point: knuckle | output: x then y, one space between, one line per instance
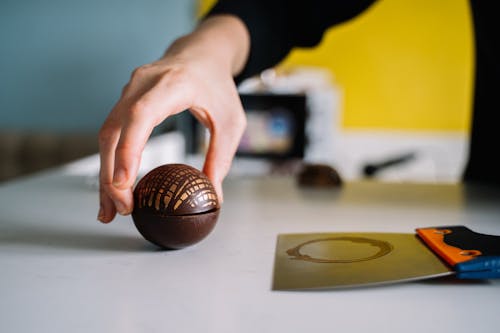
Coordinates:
171 77
124 149
128 150
125 89
105 135
137 108
140 72
104 187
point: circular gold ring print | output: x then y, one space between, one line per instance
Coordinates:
383 249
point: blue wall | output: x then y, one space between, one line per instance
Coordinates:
63 63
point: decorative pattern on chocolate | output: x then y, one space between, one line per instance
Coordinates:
176 189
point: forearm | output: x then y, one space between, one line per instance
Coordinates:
277 26
222 40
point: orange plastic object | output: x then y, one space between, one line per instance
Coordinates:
434 238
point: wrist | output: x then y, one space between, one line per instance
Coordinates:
221 40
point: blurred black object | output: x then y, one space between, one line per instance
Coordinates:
318 176
371 169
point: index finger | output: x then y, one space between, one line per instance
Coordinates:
147 112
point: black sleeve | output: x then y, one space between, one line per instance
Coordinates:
276 26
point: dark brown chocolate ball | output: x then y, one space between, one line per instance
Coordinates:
175 205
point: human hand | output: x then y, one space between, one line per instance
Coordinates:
196 74
155 92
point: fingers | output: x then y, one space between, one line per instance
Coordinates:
108 138
107 210
120 145
224 140
122 139
112 199
133 138
153 94
138 124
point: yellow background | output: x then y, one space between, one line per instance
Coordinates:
401 64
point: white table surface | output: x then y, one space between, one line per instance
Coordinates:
62 271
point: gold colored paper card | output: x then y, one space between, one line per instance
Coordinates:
346 260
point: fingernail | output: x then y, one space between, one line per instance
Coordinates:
101 215
119 177
120 207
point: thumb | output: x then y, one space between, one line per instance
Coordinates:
221 150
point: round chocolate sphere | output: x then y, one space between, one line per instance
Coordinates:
175 205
